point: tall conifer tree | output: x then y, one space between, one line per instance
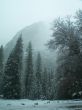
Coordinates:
29 72
12 85
39 76
1 66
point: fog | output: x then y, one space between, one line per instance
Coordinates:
17 14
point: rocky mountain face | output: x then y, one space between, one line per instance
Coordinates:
39 34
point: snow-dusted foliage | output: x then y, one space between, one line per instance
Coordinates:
67 39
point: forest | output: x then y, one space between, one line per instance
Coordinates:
24 75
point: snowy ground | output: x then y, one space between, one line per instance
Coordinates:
40 105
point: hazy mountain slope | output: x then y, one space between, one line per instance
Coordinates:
38 33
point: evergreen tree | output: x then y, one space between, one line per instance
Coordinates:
44 83
33 91
49 91
12 85
1 66
39 76
29 72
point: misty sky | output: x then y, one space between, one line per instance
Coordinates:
17 14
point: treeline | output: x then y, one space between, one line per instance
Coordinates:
67 39
32 81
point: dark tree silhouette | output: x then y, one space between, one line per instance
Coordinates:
12 85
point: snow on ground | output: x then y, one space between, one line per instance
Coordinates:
40 105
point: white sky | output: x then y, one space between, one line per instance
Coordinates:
16 14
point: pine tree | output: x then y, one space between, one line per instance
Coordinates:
39 76
33 91
1 67
44 82
29 72
50 87
12 85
